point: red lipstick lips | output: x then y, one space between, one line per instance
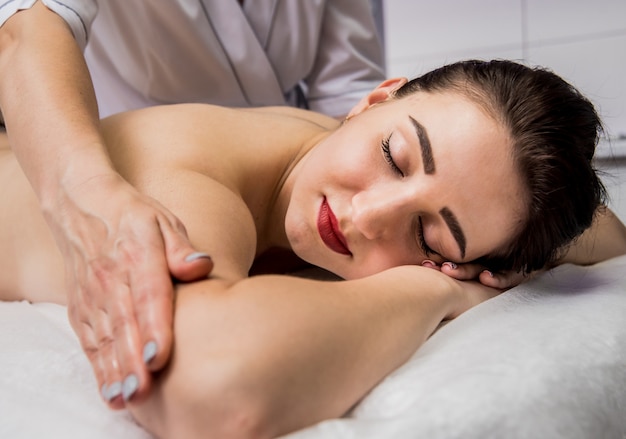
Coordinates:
329 230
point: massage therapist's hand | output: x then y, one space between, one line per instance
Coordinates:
120 249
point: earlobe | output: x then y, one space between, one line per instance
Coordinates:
380 94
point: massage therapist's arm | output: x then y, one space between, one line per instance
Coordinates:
271 354
111 237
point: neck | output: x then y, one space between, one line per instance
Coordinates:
274 235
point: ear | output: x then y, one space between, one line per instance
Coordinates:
380 94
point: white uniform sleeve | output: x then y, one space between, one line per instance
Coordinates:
350 59
78 14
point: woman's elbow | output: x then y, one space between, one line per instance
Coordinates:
209 388
192 401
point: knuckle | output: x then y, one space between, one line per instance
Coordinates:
102 269
104 341
121 321
92 352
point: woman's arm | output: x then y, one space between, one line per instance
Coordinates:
111 237
271 354
605 239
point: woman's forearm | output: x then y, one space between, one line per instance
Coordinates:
272 354
605 239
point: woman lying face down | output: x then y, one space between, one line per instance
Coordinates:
478 162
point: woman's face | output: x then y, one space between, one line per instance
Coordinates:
429 176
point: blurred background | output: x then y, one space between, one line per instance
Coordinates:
583 41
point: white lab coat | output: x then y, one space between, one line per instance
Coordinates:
324 54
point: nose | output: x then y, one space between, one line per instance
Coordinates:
383 212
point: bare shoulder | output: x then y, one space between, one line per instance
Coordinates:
229 145
210 164
185 118
304 116
185 131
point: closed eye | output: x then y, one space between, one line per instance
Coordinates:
388 157
422 241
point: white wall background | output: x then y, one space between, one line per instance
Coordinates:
584 41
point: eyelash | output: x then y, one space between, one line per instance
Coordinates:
420 227
422 242
388 158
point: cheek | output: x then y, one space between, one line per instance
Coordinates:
300 221
355 156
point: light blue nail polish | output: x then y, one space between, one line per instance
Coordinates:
149 351
195 256
103 391
113 391
131 384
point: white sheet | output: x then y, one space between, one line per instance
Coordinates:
544 360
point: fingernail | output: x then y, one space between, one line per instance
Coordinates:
196 255
428 263
112 391
131 384
149 351
488 272
452 265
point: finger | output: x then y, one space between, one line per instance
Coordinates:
184 262
500 280
430 264
153 296
127 341
78 318
461 271
106 359
153 311
116 334
96 342
88 343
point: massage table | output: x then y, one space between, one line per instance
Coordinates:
546 359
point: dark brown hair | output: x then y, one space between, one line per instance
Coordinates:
554 130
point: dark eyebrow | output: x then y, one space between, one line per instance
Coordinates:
427 152
455 228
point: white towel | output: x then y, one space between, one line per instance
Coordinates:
544 360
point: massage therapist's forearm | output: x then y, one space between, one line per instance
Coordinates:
48 102
273 354
120 248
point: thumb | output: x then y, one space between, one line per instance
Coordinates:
185 263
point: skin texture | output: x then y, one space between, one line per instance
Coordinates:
379 210
232 176
120 246
113 260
